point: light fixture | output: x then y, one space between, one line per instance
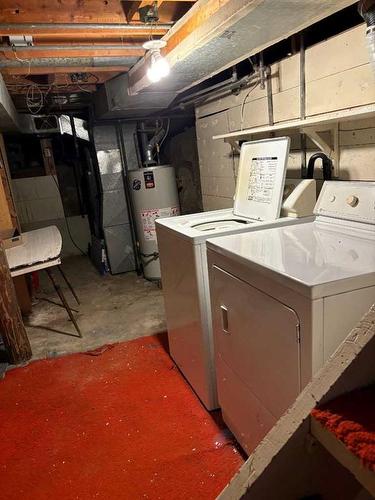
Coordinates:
159 67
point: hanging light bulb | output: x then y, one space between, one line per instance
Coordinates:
159 67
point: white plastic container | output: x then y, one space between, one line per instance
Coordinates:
154 195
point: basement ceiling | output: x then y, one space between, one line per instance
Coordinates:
57 52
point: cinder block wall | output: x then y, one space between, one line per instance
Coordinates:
39 205
338 76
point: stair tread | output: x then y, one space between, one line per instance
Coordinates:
346 428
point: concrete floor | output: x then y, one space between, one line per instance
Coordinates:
113 308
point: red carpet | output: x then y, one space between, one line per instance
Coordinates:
120 424
351 418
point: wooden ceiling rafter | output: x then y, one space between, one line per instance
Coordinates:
26 54
62 69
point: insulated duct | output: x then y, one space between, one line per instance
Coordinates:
9 118
211 37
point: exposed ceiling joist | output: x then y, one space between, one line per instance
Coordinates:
46 70
51 51
58 11
81 30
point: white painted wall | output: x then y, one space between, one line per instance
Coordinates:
39 204
338 76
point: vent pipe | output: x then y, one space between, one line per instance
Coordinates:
367 10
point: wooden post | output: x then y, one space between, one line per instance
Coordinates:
12 328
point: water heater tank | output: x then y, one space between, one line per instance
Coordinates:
154 195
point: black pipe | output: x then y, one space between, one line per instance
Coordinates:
212 91
269 96
76 166
128 199
302 78
327 166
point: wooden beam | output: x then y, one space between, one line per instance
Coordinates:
48 70
66 11
81 32
12 328
70 52
58 89
95 78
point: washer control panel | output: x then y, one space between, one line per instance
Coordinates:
354 201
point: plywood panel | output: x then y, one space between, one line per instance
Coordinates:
358 163
231 101
254 114
337 54
357 137
357 124
354 87
216 203
286 105
218 186
286 72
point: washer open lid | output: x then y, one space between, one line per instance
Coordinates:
261 178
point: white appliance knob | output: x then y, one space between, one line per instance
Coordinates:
352 200
332 198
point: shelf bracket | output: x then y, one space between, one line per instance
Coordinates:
235 144
327 139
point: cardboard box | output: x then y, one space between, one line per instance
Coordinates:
10 237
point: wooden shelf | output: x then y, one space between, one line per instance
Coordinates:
341 453
317 122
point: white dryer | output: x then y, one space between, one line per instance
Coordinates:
283 299
182 248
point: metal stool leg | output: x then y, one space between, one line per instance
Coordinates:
69 284
63 300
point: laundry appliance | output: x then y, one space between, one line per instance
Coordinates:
283 299
182 247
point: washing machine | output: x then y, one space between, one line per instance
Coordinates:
182 249
283 299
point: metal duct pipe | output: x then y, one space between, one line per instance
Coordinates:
217 86
29 28
36 48
68 61
228 86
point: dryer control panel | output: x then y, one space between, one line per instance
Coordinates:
346 200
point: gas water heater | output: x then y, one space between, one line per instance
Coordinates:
154 195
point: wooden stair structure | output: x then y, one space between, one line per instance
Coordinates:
300 458
338 444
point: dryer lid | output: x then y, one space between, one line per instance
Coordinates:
261 177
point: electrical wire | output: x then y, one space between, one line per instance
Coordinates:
66 220
34 104
234 165
22 60
166 133
244 102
